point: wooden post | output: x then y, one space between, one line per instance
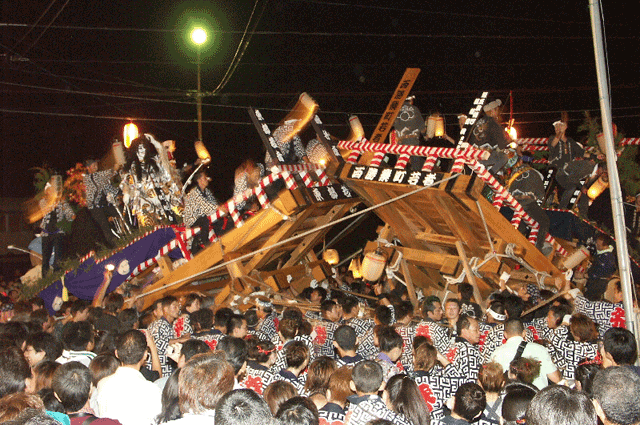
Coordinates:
469 273
411 290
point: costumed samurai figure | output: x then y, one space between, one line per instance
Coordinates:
527 187
149 191
198 206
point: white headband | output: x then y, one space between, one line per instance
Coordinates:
501 317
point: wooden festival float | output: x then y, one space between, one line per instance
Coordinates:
440 228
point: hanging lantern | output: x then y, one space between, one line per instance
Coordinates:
357 131
354 268
435 126
202 151
373 265
130 133
598 187
513 133
331 256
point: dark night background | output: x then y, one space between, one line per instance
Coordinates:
72 72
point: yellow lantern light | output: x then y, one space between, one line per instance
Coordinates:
130 133
354 268
202 151
435 126
513 133
598 187
331 256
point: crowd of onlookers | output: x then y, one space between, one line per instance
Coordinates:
352 353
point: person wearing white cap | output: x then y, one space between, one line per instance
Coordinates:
408 125
488 134
563 154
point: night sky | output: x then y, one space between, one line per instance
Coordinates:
72 73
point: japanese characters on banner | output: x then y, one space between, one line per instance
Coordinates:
391 175
329 193
474 113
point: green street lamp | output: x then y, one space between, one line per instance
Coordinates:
199 37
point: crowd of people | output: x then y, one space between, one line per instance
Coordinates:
357 353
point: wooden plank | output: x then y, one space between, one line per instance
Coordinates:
411 290
399 95
457 223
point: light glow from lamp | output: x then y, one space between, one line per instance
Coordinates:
130 133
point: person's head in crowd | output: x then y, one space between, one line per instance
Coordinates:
469 402
14 371
497 312
350 307
37 303
263 352
452 310
390 342
556 315
221 317
41 346
42 319
339 388
170 399
583 328
344 340
131 348
616 396
524 370
366 377
135 301
202 320
513 328
190 348
560 405
491 377
203 381
236 352
22 310
382 315
251 316
264 307
237 326
277 393
402 395
425 356
515 401
106 343
432 308
192 302
618 348
78 336
128 319
288 329
603 241
113 303
514 306
330 310
317 295
379 421
72 386
404 312
242 407
42 375
156 308
103 365
293 313
296 355
170 308
468 328
466 292
585 372
318 374
13 406
297 411
16 332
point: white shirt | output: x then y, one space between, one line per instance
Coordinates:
128 397
505 354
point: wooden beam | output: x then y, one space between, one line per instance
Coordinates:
411 290
457 223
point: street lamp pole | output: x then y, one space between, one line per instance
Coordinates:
199 37
199 97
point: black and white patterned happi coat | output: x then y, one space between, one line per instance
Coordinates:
436 333
369 407
257 377
438 385
570 352
466 357
606 315
198 203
